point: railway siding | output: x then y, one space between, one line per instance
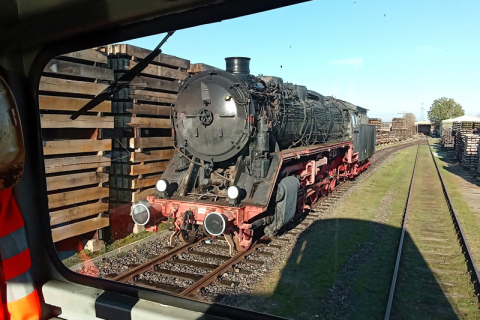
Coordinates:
433 279
337 267
464 192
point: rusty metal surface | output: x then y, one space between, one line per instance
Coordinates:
213 276
124 277
12 151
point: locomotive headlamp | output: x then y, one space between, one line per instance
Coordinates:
162 185
233 192
228 98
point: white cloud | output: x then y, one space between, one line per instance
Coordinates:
356 63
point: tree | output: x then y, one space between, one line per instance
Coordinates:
410 119
444 108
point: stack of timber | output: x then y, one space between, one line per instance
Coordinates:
470 151
199 67
399 123
399 128
459 146
142 143
448 140
75 153
386 125
377 122
469 125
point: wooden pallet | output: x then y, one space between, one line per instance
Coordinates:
76 156
199 67
399 123
377 122
142 146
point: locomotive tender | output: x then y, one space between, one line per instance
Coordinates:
251 152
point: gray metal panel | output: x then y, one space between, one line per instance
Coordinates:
364 141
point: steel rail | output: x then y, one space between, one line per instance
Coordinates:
227 265
400 245
472 266
213 275
148 265
391 150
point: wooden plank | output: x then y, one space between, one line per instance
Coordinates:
161 96
138 122
79 228
61 216
152 142
137 196
154 83
147 99
150 109
76 146
78 196
88 55
198 67
137 169
142 53
145 182
152 155
75 163
70 104
64 121
77 69
70 86
75 180
158 71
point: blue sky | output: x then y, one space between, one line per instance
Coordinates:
387 56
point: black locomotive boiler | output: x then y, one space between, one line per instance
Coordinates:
251 152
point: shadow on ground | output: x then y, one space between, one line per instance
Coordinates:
342 269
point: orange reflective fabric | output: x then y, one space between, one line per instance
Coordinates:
27 307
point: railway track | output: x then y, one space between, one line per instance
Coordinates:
190 268
435 275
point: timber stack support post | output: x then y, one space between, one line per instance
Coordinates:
76 154
142 144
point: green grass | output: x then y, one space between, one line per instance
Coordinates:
373 279
468 218
299 290
422 292
131 238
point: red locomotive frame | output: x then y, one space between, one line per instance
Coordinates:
317 174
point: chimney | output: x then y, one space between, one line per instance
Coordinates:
238 65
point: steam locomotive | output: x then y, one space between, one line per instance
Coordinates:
251 152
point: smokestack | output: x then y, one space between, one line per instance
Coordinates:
238 65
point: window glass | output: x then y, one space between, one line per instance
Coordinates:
219 150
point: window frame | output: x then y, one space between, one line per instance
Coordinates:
32 191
